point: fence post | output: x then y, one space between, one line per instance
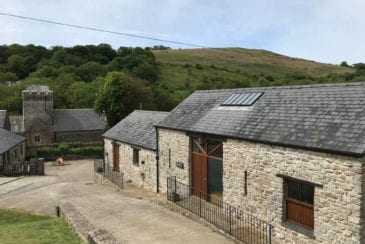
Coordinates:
122 174
175 185
270 229
200 204
230 220
168 187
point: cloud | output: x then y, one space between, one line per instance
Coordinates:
326 30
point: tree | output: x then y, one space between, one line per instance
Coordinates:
120 95
8 76
21 66
146 71
89 71
344 64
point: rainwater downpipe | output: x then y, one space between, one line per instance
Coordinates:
157 164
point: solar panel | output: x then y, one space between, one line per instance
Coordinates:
242 99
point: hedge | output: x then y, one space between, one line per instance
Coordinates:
68 152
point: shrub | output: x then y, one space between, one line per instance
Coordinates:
66 151
199 66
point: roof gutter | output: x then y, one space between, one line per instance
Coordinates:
131 144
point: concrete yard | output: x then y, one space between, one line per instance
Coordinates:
130 215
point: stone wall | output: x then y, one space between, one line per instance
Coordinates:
78 136
144 174
173 147
16 154
362 211
108 152
45 136
336 204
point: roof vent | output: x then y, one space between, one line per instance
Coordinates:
242 99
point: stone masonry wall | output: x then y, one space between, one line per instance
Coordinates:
108 152
144 174
16 154
79 136
337 206
178 144
362 211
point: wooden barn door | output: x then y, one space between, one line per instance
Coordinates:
199 174
207 167
116 157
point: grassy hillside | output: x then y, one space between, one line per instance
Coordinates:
183 71
161 78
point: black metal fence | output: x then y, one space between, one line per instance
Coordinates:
23 168
108 172
233 221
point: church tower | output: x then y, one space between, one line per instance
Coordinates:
37 114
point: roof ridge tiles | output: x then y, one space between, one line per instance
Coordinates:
342 84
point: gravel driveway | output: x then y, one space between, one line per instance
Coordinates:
130 216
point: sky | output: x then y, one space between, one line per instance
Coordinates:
328 31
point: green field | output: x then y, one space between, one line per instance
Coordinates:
19 227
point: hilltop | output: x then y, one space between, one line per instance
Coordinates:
185 70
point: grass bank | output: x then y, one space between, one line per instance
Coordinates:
20 227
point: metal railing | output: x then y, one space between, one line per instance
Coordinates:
23 168
109 172
233 221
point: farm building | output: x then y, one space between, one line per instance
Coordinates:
130 147
291 156
12 148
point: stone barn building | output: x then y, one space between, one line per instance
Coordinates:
41 124
130 147
292 156
12 148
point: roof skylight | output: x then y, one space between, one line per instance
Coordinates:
242 99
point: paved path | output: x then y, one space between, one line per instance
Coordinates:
129 215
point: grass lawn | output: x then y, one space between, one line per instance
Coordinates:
21 227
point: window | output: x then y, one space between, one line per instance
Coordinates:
242 99
15 153
37 138
21 149
299 203
136 157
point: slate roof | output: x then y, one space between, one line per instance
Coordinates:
328 118
137 129
65 120
8 140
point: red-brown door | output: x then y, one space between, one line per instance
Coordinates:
116 157
199 173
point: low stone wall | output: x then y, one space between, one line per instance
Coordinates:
78 222
83 228
101 180
101 237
